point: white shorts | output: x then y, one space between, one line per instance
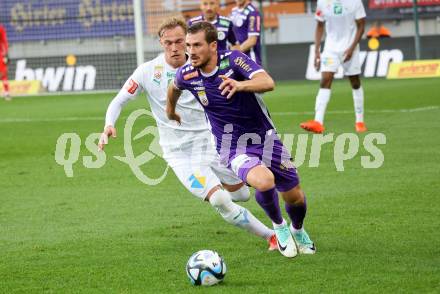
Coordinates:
330 62
197 165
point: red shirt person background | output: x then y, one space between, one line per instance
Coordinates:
4 46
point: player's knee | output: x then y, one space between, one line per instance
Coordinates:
220 199
243 194
265 182
326 81
355 82
294 196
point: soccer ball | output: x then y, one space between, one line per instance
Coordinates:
206 268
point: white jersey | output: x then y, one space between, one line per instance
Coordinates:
153 77
340 22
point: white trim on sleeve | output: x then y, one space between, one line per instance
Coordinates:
255 72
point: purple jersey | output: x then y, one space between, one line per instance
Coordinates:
243 113
225 32
247 23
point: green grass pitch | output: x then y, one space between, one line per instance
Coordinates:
103 231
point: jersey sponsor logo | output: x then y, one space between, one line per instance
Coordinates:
199 88
132 86
318 13
224 22
337 8
242 63
197 83
170 76
191 75
224 63
203 98
251 23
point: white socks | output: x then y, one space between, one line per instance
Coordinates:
243 194
322 100
358 99
238 215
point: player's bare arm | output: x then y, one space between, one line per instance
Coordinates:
319 32
360 24
259 83
173 95
247 45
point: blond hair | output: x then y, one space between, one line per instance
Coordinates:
171 23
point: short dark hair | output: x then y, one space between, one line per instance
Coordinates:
203 26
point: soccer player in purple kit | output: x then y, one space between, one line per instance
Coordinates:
225 34
247 27
226 83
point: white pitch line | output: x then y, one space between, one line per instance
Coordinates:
91 118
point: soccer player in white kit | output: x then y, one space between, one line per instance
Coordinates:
188 148
344 22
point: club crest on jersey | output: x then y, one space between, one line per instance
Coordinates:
221 35
203 98
242 63
158 69
191 75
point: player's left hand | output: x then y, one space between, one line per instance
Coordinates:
229 86
5 59
348 54
174 116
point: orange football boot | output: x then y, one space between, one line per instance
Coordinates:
361 127
273 244
313 126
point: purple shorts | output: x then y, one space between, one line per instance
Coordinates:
271 154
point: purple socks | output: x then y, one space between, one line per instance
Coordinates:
268 200
297 213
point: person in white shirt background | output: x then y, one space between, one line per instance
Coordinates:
344 22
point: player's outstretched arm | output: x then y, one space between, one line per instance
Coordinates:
260 82
173 95
127 93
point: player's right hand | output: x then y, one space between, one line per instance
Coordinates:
109 131
317 60
5 59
